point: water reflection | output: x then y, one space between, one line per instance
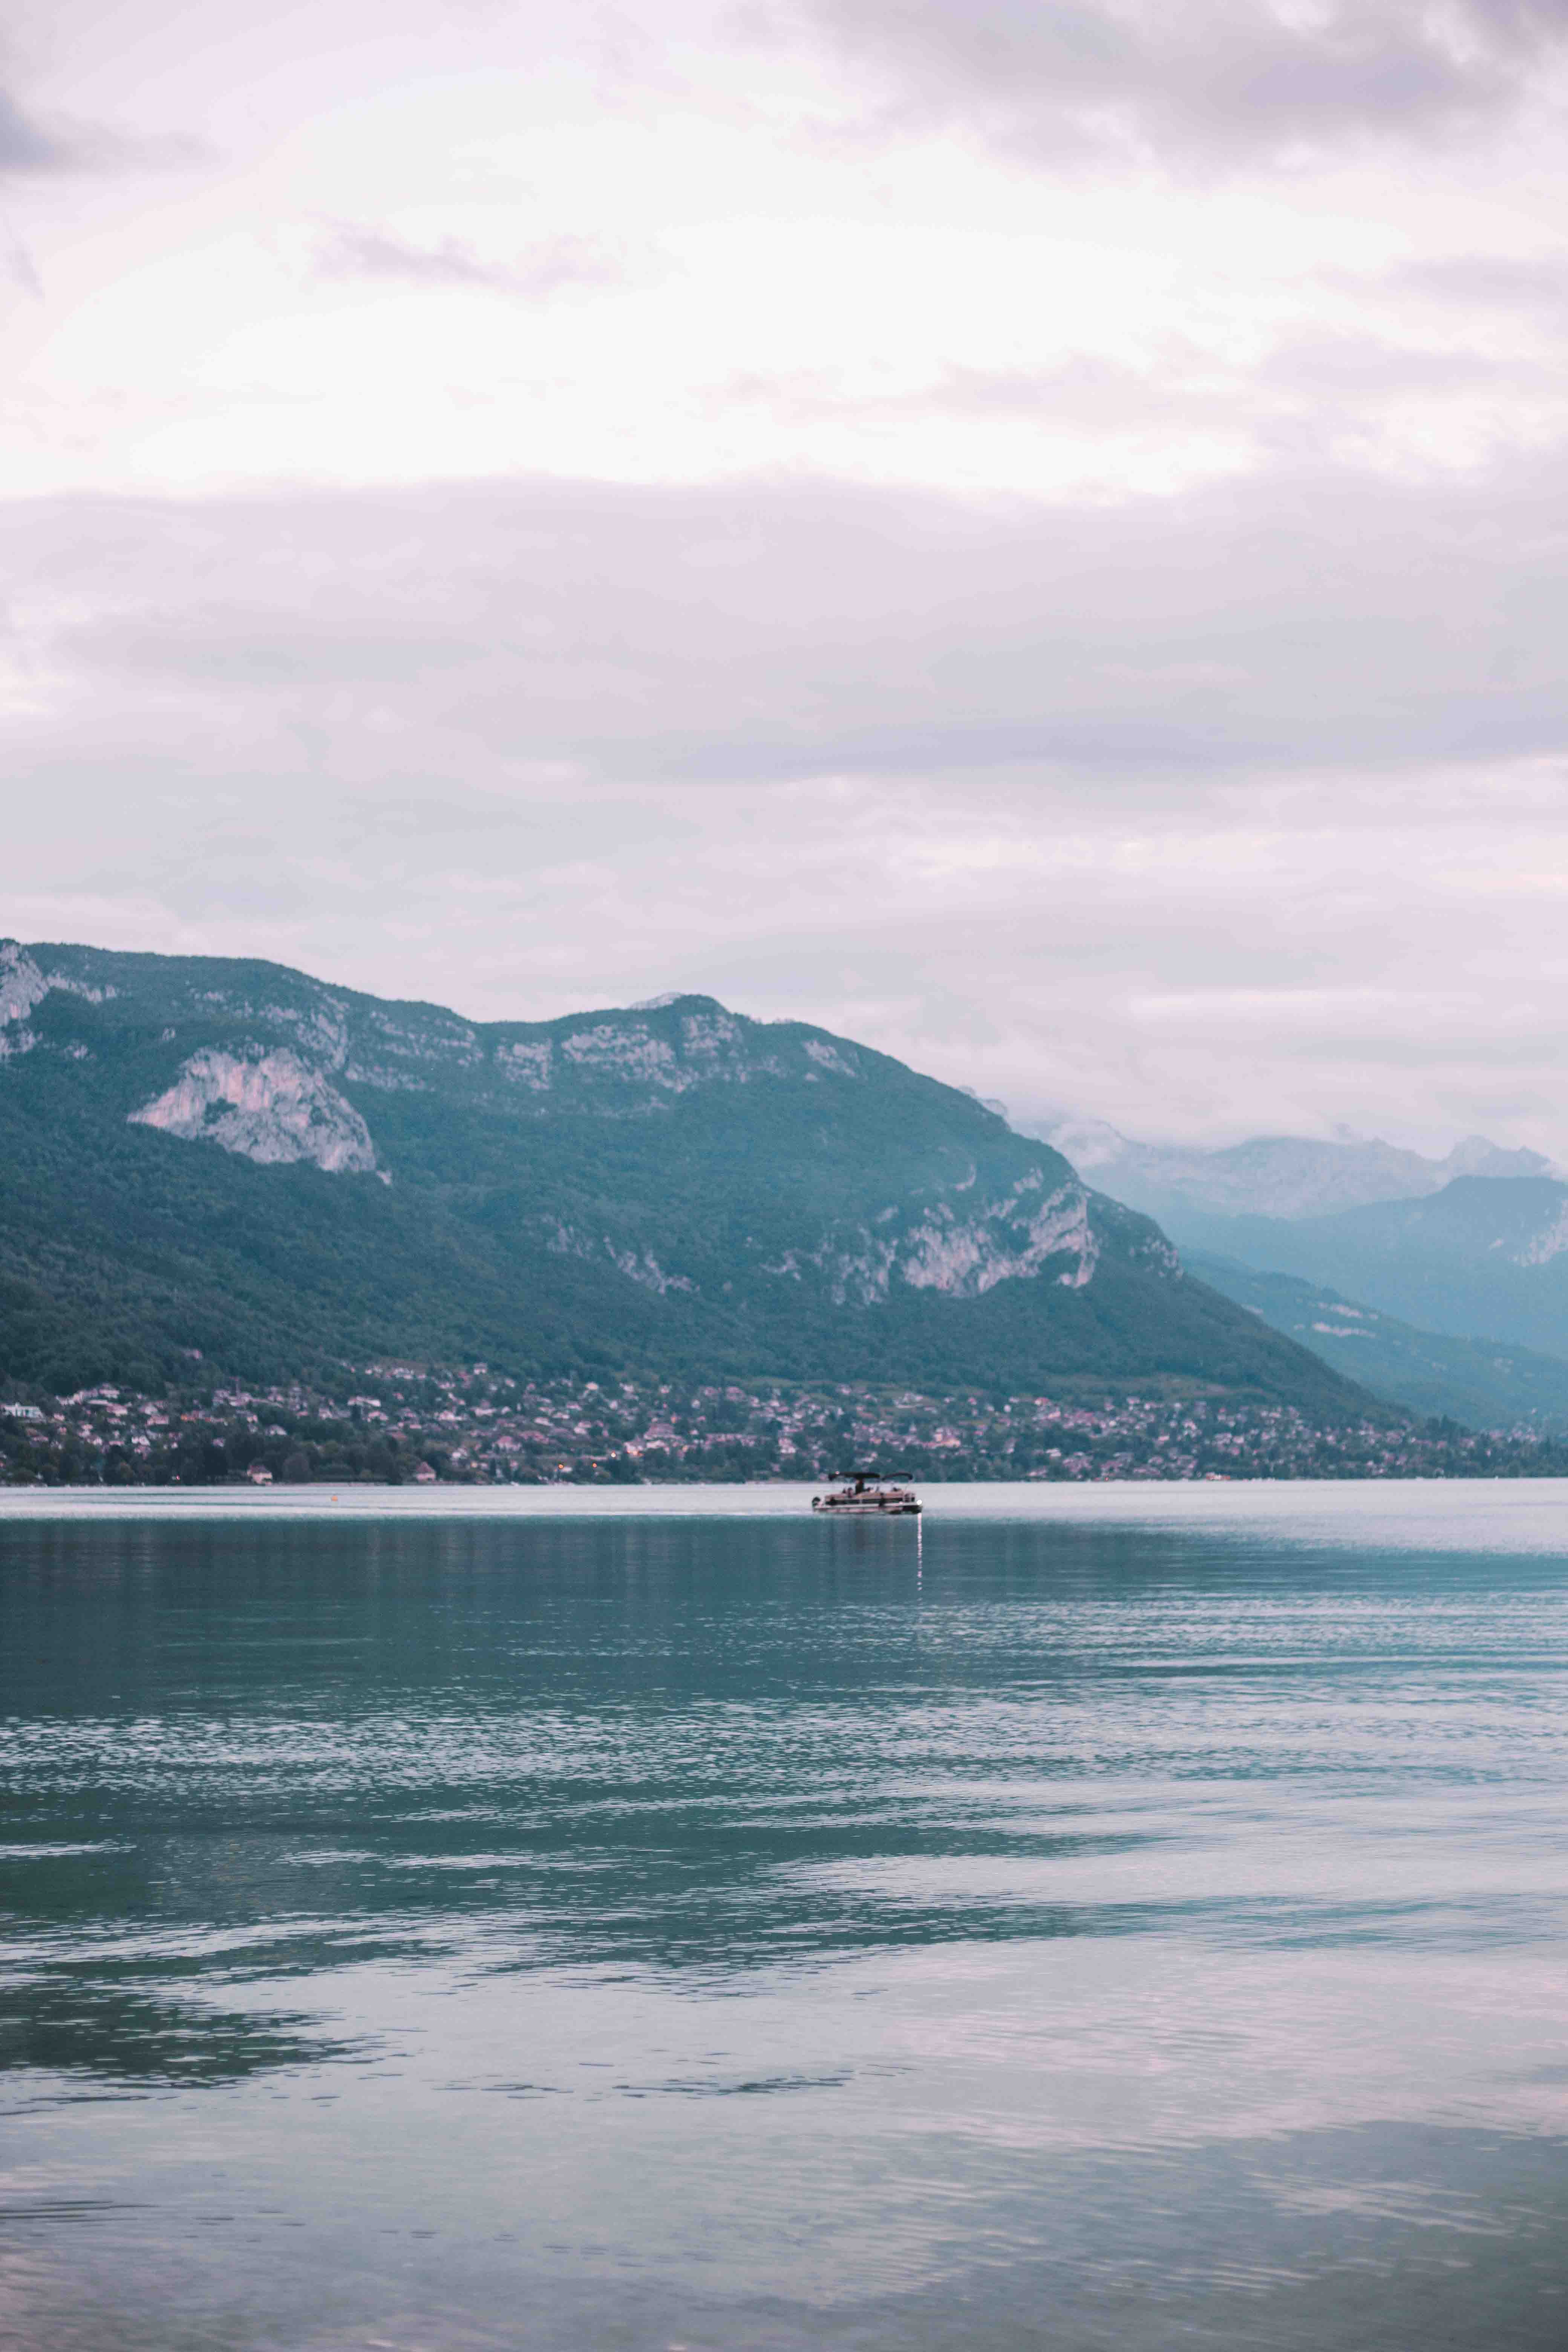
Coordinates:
752 1931
76 2025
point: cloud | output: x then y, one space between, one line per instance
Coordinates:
743 638
1485 281
26 147
1242 809
1331 382
761 632
20 267
1229 788
551 266
32 149
1226 81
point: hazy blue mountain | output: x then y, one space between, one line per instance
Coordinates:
1463 1247
200 1153
1273 1176
1472 1381
1484 1258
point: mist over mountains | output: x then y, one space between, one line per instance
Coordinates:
1484 1258
201 1153
1483 1383
1411 1255
1274 1176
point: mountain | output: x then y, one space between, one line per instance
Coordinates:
202 1154
1274 1176
1484 1257
1459 1248
1470 1380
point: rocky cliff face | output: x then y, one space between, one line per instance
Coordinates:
962 1250
632 1061
23 985
269 1107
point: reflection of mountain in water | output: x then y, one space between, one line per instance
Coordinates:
758 1931
67 2023
524 1746
528 1745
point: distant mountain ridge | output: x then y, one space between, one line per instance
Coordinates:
1469 1247
1486 1258
1483 1383
201 1152
1274 1176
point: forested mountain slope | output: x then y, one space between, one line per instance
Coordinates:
200 1153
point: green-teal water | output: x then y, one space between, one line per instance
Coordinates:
1099 1926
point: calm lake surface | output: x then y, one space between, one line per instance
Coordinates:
1113 1919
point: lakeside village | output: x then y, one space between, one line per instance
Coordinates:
404 1423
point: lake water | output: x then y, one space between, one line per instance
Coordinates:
1090 1919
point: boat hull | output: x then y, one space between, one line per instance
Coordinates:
832 1509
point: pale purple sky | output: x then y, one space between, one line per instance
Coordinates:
1034 535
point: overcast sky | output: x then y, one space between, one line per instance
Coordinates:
1034 535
